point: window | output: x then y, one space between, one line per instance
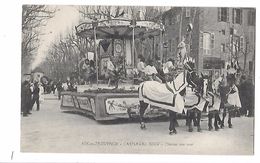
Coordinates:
206 43
223 48
251 17
173 45
170 45
223 32
177 41
212 41
250 66
178 18
170 21
241 46
231 31
187 12
201 40
173 20
223 14
237 16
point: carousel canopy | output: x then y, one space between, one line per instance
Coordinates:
118 28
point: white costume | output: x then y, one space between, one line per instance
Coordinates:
141 67
167 66
41 99
150 70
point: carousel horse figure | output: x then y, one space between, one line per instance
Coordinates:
169 95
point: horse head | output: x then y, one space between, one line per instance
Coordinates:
205 84
192 76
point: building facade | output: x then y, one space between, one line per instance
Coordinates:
218 36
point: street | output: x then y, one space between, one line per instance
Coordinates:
52 131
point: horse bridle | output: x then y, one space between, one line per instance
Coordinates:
190 74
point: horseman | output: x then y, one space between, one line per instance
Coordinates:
182 52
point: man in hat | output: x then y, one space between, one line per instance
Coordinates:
26 98
59 88
36 96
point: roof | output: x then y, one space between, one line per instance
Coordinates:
117 28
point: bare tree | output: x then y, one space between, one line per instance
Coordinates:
64 55
33 17
238 52
102 12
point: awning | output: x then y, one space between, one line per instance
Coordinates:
119 28
213 63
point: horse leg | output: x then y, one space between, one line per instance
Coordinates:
176 122
195 122
210 116
229 119
172 116
189 120
143 107
216 120
223 118
194 117
198 120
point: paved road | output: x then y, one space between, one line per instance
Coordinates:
50 130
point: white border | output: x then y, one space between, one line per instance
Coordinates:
10 36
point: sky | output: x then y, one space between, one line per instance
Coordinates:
64 20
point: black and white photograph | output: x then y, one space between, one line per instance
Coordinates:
136 79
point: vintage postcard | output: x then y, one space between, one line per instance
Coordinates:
137 79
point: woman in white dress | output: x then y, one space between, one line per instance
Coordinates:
41 99
151 72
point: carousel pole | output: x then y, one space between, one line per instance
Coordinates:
133 45
133 23
95 24
161 42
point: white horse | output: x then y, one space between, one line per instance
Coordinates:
169 95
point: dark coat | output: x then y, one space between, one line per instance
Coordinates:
35 92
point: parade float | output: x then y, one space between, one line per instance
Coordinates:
113 39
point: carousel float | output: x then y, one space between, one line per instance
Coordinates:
113 39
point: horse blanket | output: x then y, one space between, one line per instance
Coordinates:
233 97
191 101
214 102
164 95
209 102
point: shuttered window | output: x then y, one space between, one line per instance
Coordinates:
251 17
223 14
